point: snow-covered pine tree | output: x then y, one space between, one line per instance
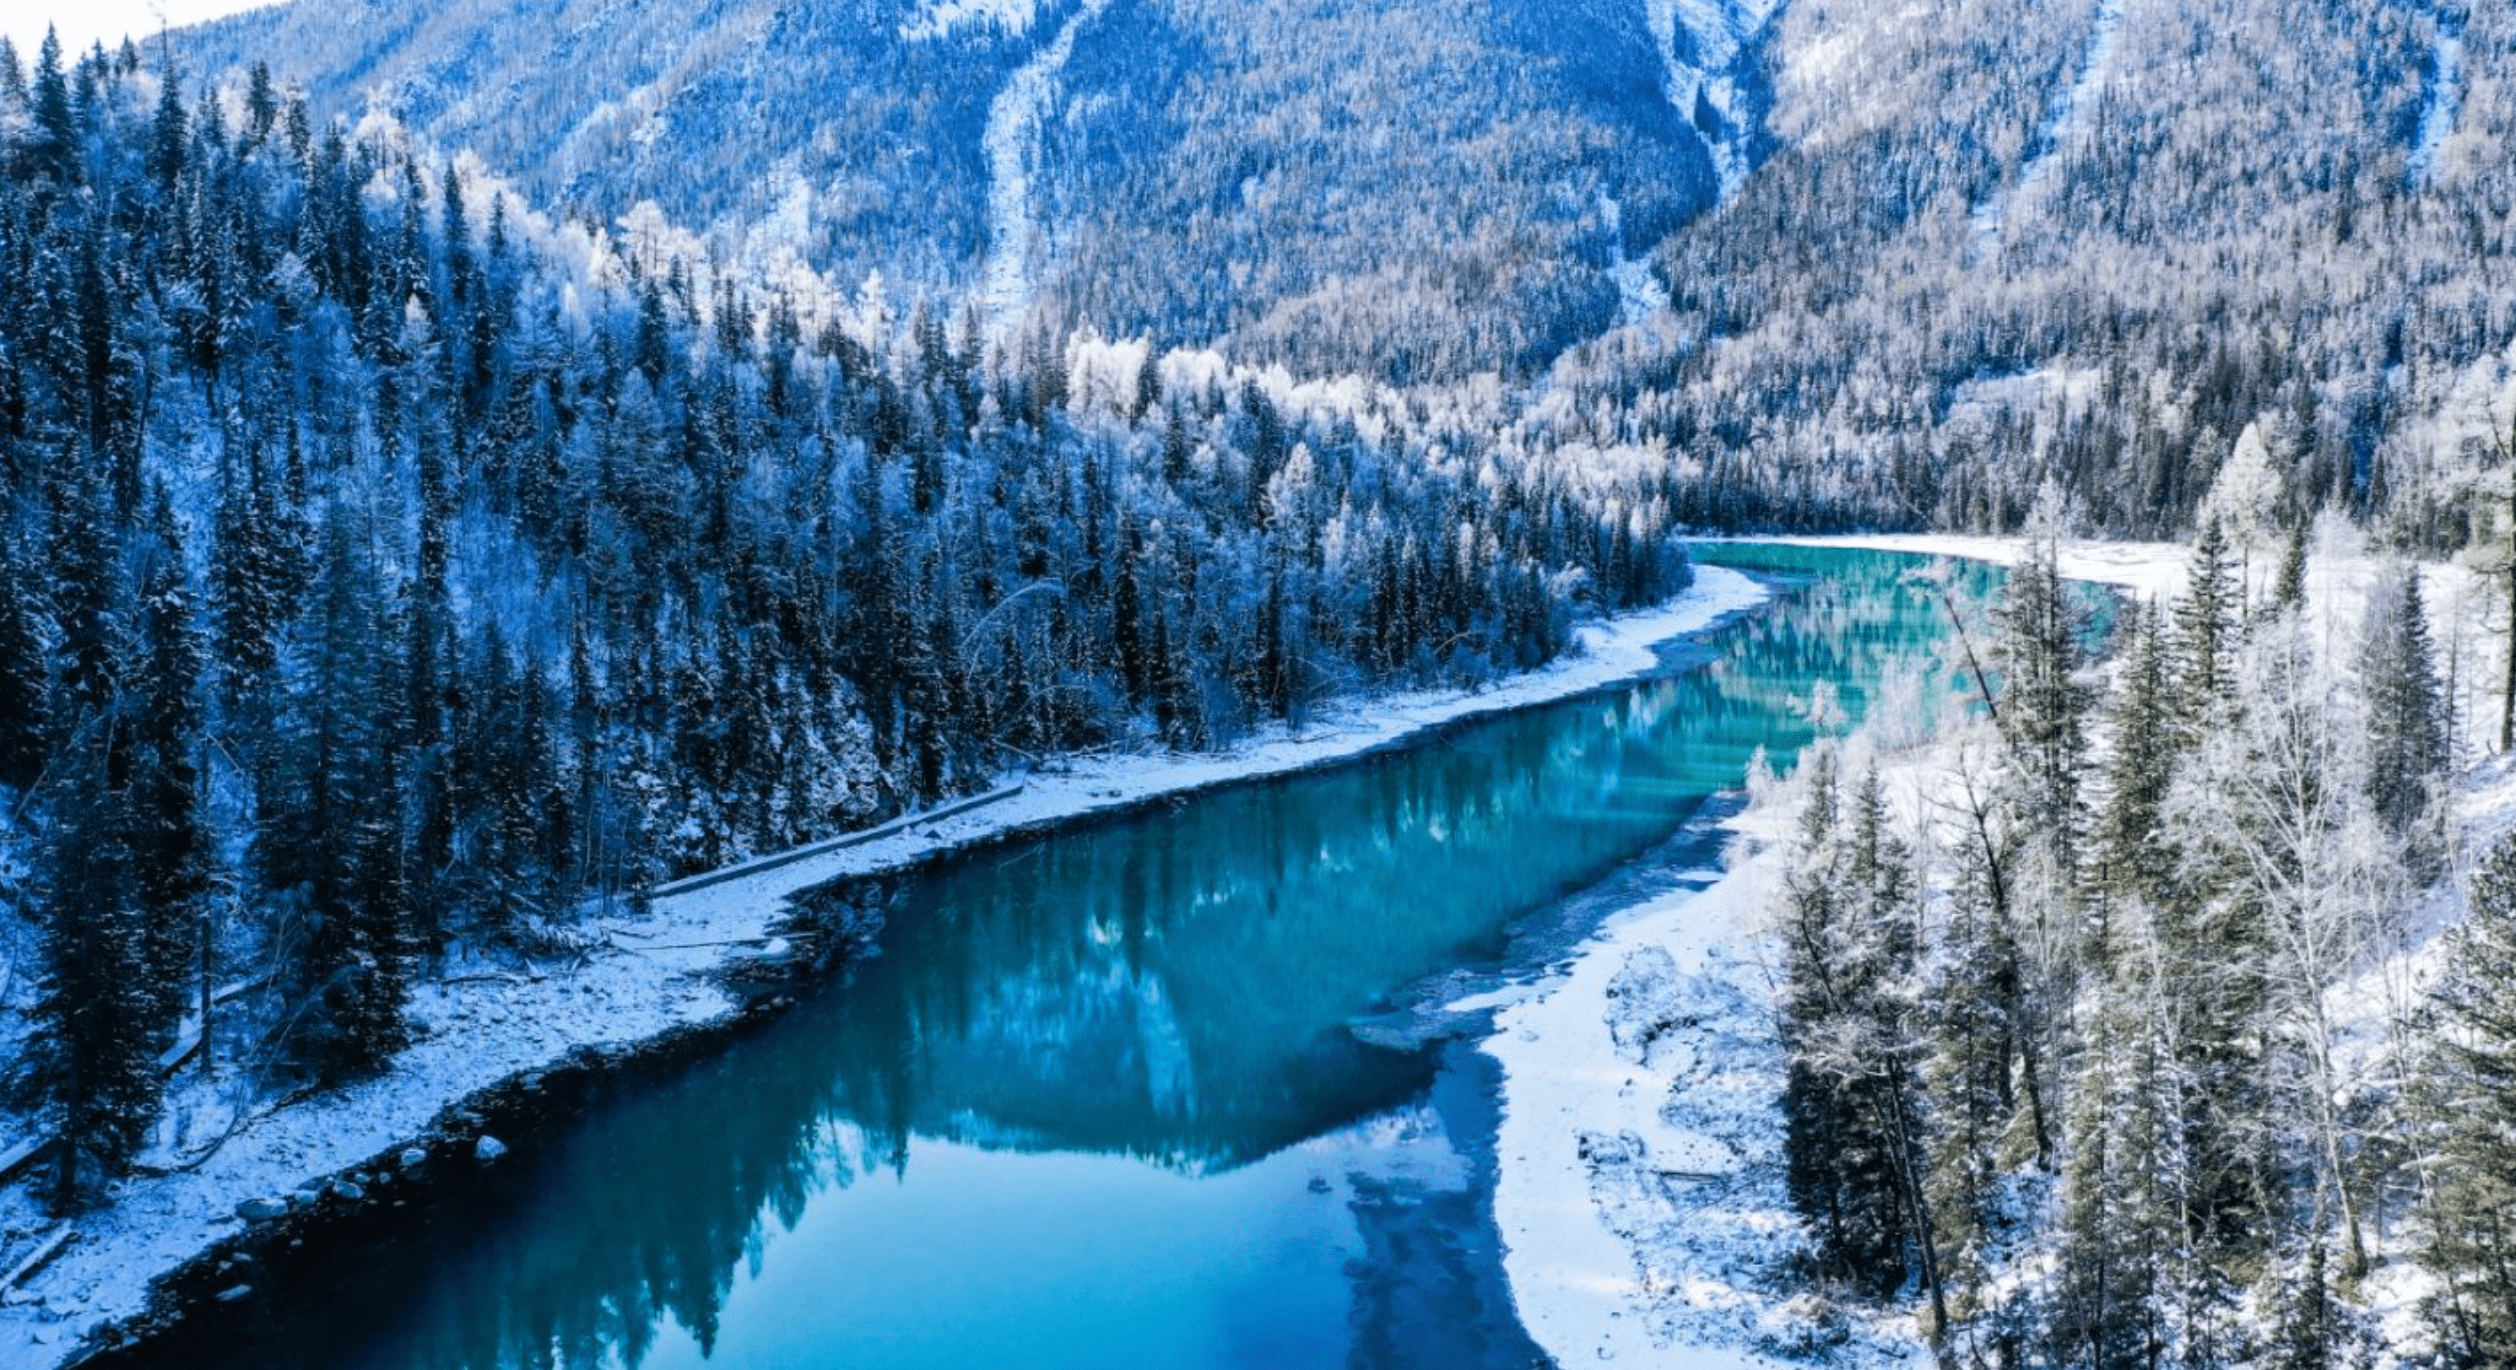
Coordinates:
2406 711
25 709
170 841
93 1058
2206 630
328 856
2132 860
1852 1144
1971 1071
2288 586
2468 1109
2118 1229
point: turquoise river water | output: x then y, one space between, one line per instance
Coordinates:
1168 1091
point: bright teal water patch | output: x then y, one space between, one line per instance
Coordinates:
1100 1100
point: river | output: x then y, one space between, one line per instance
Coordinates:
1174 1090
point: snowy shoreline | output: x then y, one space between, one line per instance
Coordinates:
652 982
1639 1194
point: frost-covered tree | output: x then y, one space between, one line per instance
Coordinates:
1850 1105
2299 871
94 1061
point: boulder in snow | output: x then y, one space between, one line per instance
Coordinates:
1646 998
261 1209
488 1148
412 1156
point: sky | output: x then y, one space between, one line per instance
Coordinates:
81 22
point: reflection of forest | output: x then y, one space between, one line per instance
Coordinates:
1174 988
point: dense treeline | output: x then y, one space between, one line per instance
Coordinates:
385 571
2131 1075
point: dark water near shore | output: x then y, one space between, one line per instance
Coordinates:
1101 1099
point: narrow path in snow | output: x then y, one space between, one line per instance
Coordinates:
2062 131
1013 157
2444 103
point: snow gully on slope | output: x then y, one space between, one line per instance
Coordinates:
1700 44
1014 155
2444 103
2060 133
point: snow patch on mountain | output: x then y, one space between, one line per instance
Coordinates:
1014 238
1639 293
1701 45
944 18
2444 101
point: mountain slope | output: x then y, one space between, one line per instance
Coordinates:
1405 189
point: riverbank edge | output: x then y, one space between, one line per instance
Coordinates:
1590 1147
489 1046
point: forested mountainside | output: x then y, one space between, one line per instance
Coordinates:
1847 263
383 567
2095 240
1410 190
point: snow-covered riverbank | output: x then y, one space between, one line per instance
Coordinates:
1641 1197
651 980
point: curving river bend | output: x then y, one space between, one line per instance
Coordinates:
1171 1091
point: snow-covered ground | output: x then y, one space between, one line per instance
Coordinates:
1639 293
1642 1201
1641 1197
1013 149
648 979
2444 101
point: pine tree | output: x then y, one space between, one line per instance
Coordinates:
1972 1024
2117 1218
2468 1103
94 1061
170 841
329 851
2140 766
2044 704
54 146
2405 707
25 709
2206 629
2288 588
1852 1145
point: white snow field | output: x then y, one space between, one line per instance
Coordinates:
650 981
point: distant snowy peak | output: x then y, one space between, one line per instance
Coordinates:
1707 50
